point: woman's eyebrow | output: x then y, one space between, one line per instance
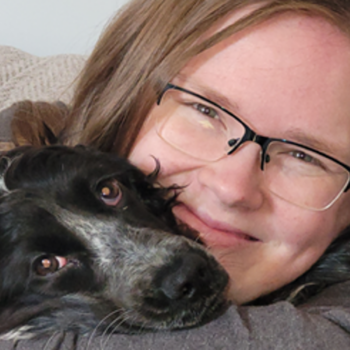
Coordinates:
208 93
219 99
318 143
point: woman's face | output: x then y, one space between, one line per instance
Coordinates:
287 78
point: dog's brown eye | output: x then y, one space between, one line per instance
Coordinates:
47 264
110 192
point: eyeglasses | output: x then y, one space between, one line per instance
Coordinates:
204 130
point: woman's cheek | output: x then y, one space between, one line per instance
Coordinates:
259 272
289 252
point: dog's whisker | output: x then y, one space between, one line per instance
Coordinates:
105 330
142 328
94 332
126 318
15 345
123 318
48 342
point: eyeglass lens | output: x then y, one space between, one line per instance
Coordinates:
202 130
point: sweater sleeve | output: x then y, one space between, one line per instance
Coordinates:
321 324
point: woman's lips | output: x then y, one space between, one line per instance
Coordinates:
213 233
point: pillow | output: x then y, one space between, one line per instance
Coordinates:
24 76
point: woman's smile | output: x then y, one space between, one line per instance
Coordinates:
213 233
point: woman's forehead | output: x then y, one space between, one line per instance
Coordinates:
287 32
291 72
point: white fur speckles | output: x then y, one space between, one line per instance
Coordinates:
119 245
3 187
98 233
5 163
22 332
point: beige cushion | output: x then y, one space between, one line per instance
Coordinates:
24 76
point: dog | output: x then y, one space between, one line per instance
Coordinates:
89 243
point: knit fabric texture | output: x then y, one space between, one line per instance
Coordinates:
27 77
24 76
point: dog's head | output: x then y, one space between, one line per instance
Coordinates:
87 240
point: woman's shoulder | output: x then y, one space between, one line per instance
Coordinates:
321 323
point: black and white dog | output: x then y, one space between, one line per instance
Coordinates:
89 242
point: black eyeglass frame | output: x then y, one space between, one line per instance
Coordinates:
250 135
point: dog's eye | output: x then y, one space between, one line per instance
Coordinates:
48 264
110 192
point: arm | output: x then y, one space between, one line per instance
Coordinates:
322 323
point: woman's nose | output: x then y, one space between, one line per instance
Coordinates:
236 180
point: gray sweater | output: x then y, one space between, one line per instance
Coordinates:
322 323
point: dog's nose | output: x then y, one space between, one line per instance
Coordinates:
186 277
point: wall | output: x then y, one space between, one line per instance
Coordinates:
48 27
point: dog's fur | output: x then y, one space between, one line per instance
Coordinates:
119 262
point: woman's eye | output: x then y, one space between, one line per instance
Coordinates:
110 192
206 110
48 264
305 157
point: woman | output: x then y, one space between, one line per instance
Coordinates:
264 158
285 77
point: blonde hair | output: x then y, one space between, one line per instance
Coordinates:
145 46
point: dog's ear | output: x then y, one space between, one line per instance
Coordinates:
4 163
6 159
37 123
